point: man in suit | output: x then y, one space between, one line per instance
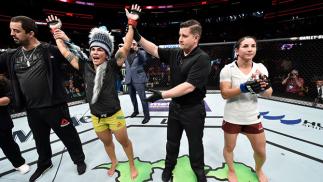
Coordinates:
136 79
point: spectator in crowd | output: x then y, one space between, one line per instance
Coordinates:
8 145
119 76
294 83
285 66
165 77
78 82
319 95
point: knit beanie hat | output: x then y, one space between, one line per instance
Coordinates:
101 37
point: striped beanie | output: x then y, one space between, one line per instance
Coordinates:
101 37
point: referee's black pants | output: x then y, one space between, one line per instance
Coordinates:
57 118
191 119
10 148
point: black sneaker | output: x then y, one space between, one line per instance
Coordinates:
146 120
81 168
166 175
134 114
40 171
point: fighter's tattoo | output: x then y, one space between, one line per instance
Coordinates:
70 57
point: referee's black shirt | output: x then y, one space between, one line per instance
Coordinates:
193 68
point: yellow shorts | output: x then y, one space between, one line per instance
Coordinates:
113 123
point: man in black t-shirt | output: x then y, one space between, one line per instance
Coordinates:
189 70
37 86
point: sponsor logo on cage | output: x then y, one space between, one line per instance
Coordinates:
312 37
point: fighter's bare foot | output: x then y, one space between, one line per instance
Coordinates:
232 177
261 176
134 173
112 169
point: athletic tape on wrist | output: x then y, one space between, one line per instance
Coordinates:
132 22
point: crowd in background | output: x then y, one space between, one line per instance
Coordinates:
280 57
285 61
